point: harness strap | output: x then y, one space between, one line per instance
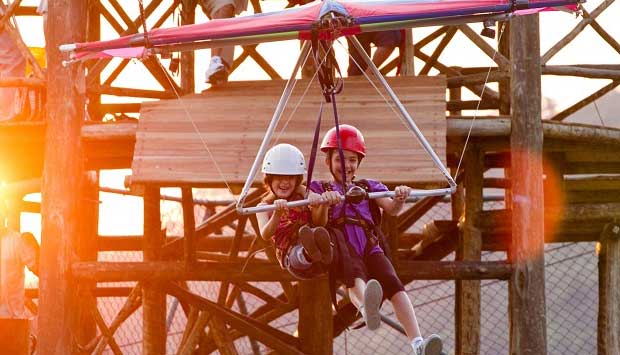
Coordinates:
313 151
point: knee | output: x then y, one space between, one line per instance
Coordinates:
391 286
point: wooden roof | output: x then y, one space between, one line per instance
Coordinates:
205 139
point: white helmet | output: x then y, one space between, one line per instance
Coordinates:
284 159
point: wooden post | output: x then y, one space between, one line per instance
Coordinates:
188 17
61 207
609 292
504 84
467 305
153 299
527 286
455 95
407 68
315 317
87 251
94 34
189 226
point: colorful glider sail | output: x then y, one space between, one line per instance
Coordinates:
298 23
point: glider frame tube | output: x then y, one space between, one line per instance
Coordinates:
414 195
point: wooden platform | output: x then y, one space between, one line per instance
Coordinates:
204 140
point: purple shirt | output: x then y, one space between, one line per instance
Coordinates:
355 234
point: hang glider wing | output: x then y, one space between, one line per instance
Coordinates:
298 23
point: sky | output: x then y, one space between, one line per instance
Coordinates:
123 215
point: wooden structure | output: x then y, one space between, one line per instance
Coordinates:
586 211
211 139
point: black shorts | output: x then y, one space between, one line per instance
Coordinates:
348 266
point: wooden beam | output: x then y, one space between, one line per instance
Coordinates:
275 339
189 226
486 92
187 61
488 128
573 70
105 331
501 61
86 250
407 57
527 285
153 298
141 93
467 303
214 243
572 34
585 102
503 46
221 336
33 83
61 207
608 333
454 270
438 50
132 303
315 313
169 270
601 31
265 314
109 145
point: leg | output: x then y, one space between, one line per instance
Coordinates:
386 42
226 11
405 314
379 267
356 293
221 58
367 297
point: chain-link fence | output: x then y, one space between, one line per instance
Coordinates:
571 303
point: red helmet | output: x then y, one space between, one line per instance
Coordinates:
350 137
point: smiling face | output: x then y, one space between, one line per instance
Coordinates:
351 162
283 186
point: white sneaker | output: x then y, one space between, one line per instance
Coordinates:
372 304
216 73
432 345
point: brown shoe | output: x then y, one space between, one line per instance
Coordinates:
324 243
306 238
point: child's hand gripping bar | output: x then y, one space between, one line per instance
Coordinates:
353 196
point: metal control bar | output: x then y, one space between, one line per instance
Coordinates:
414 195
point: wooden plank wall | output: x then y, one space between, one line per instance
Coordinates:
232 122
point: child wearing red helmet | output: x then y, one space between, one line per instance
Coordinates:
360 261
300 249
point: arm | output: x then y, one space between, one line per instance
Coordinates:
268 225
393 206
320 211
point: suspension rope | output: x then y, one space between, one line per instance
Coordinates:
387 101
304 93
484 86
197 131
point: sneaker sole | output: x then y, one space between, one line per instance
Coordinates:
433 345
306 238
372 303
324 243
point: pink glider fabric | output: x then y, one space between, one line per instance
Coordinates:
299 21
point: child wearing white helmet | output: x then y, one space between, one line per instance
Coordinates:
302 250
